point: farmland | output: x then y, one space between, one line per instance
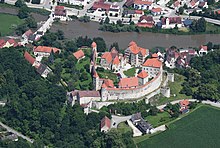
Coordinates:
198 129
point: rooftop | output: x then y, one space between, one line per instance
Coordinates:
128 82
153 62
79 54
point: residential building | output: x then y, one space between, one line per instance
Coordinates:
142 77
135 55
31 59
156 11
75 2
114 10
79 54
203 50
146 21
2 43
10 43
184 106
60 13
152 66
45 51
171 57
105 124
139 4
43 70
103 8
171 22
133 13
27 34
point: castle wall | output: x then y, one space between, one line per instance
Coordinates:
132 93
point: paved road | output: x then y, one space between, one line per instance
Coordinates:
16 133
118 119
213 21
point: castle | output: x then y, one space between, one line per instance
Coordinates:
148 79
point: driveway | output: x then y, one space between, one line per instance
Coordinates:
118 119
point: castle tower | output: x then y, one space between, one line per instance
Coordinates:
94 52
142 77
96 80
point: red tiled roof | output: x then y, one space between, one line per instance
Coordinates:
176 3
29 58
101 5
79 54
204 47
143 74
135 49
2 43
147 18
94 45
148 25
59 10
142 2
107 56
154 62
154 55
184 103
87 93
46 49
128 82
116 60
105 122
12 41
28 33
95 74
172 20
155 10
108 83
138 11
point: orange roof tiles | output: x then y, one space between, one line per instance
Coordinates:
128 82
2 43
105 122
142 2
108 83
116 60
79 54
154 55
94 45
95 74
46 49
156 10
107 56
204 47
184 103
143 74
135 49
29 58
154 62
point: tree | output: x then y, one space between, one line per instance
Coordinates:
107 20
60 35
2 1
101 46
210 2
31 23
20 3
207 92
115 44
181 10
119 22
209 45
201 25
23 12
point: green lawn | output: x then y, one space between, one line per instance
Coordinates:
175 88
159 119
9 23
212 28
108 74
124 128
198 129
130 72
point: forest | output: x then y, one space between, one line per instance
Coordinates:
37 108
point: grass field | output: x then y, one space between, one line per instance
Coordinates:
8 23
130 72
123 128
199 129
159 119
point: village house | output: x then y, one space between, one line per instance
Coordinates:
141 124
112 60
135 55
152 66
142 77
43 70
2 43
203 50
79 54
60 13
176 5
171 57
31 59
146 21
139 4
184 106
193 4
44 51
185 57
102 9
27 35
105 124
171 22
9 43
156 11
133 13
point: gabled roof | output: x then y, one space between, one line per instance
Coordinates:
12 41
106 122
203 47
46 49
172 20
79 54
155 10
116 61
87 93
184 103
143 74
29 58
136 50
154 62
147 18
2 43
28 33
108 83
128 82
154 55
101 5
60 10
142 2
107 56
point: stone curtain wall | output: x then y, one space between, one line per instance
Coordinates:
132 93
